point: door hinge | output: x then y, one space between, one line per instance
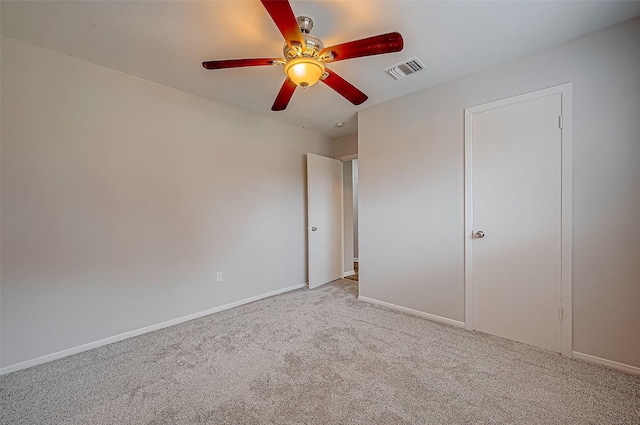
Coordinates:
560 314
560 121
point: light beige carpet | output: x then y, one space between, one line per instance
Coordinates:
318 357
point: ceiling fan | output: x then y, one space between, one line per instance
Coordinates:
305 56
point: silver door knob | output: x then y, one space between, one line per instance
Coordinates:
479 234
313 229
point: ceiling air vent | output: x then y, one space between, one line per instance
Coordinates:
408 67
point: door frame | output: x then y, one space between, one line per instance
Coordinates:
566 122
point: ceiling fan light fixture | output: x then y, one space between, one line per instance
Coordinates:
304 71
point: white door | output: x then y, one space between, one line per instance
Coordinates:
324 219
517 158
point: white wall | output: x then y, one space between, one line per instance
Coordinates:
345 146
121 199
411 219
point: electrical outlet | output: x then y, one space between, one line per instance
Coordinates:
219 277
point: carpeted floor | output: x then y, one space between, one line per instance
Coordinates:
318 357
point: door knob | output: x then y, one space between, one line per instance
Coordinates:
313 229
479 234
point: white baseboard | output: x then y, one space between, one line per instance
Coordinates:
136 332
615 365
356 260
349 273
411 311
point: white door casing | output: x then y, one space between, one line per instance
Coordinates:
518 192
324 219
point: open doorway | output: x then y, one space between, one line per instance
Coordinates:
345 149
350 193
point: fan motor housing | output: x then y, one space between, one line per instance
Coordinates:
313 44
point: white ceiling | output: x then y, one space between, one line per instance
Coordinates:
166 42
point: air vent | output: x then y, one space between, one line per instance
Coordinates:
408 67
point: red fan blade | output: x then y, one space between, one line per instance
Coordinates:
237 63
380 44
344 88
285 20
284 96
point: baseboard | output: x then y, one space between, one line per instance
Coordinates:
413 312
615 365
355 260
349 273
137 332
